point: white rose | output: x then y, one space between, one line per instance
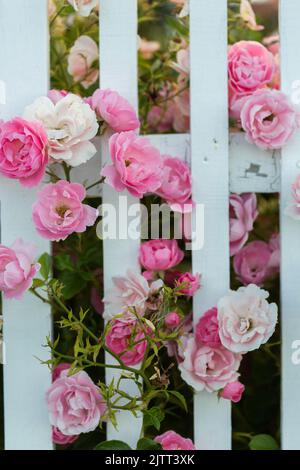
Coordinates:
70 124
82 55
84 7
246 319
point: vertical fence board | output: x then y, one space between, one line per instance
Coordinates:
209 150
118 71
290 236
24 59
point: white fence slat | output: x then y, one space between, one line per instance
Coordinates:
118 71
24 59
290 236
209 153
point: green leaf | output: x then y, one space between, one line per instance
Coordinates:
63 262
37 283
112 445
46 264
154 417
147 444
263 442
73 284
180 398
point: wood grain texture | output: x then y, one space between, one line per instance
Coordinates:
24 51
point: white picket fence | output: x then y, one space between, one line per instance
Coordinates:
219 164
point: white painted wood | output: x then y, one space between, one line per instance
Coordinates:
118 71
209 150
290 236
24 69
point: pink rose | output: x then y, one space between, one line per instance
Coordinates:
246 319
293 208
172 320
137 165
161 254
183 61
274 245
207 329
115 110
170 440
126 338
250 67
190 282
131 290
56 95
56 373
17 269
269 119
75 404
242 213
59 438
252 263
23 151
81 60
148 48
59 211
206 368
233 391
176 187
160 118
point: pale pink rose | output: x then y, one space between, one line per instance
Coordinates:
121 337
51 8
136 164
70 124
56 372
23 151
59 438
183 61
161 254
148 48
181 121
84 7
206 368
115 110
172 320
274 245
250 67
207 329
182 101
75 404
246 319
233 391
59 211
293 208
81 59
170 440
176 187
242 213
131 290
17 269
190 283
56 95
248 15
160 118
252 263
269 119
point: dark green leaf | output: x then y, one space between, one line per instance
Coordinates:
63 262
46 263
263 442
154 417
112 445
73 284
180 398
147 444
